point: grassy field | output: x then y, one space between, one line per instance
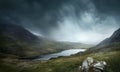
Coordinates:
63 64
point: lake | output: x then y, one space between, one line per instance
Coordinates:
62 53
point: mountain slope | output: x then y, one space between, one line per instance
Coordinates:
16 40
114 38
110 44
17 32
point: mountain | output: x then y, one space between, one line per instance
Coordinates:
17 40
114 38
17 32
110 44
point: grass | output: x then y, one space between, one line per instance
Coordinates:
63 64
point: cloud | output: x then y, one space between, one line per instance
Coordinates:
107 7
88 29
87 21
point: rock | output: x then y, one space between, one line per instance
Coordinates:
100 65
86 64
90 65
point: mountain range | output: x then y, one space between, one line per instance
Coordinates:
16 40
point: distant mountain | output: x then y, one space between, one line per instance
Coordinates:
110 44
114 38
16 40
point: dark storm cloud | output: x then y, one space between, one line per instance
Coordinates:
66 18
107 6
41 14
30 9
48 10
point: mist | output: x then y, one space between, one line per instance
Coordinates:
84 21
86 29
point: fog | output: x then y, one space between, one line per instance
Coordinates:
84 21
88 29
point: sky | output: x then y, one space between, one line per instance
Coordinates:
85 21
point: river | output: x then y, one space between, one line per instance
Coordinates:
62 53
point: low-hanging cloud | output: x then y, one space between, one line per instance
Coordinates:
86 21
88 29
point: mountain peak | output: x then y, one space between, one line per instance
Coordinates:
17 32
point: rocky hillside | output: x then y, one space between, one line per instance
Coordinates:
114 38
110 44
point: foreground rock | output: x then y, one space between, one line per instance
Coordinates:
91 65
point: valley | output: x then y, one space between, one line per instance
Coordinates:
59 35
108 52
16 40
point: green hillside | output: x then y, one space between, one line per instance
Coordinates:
109 52
66 64
17 40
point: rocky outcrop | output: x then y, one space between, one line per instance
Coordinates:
91 65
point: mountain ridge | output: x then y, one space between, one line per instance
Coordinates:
109 44
19 41
114 38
